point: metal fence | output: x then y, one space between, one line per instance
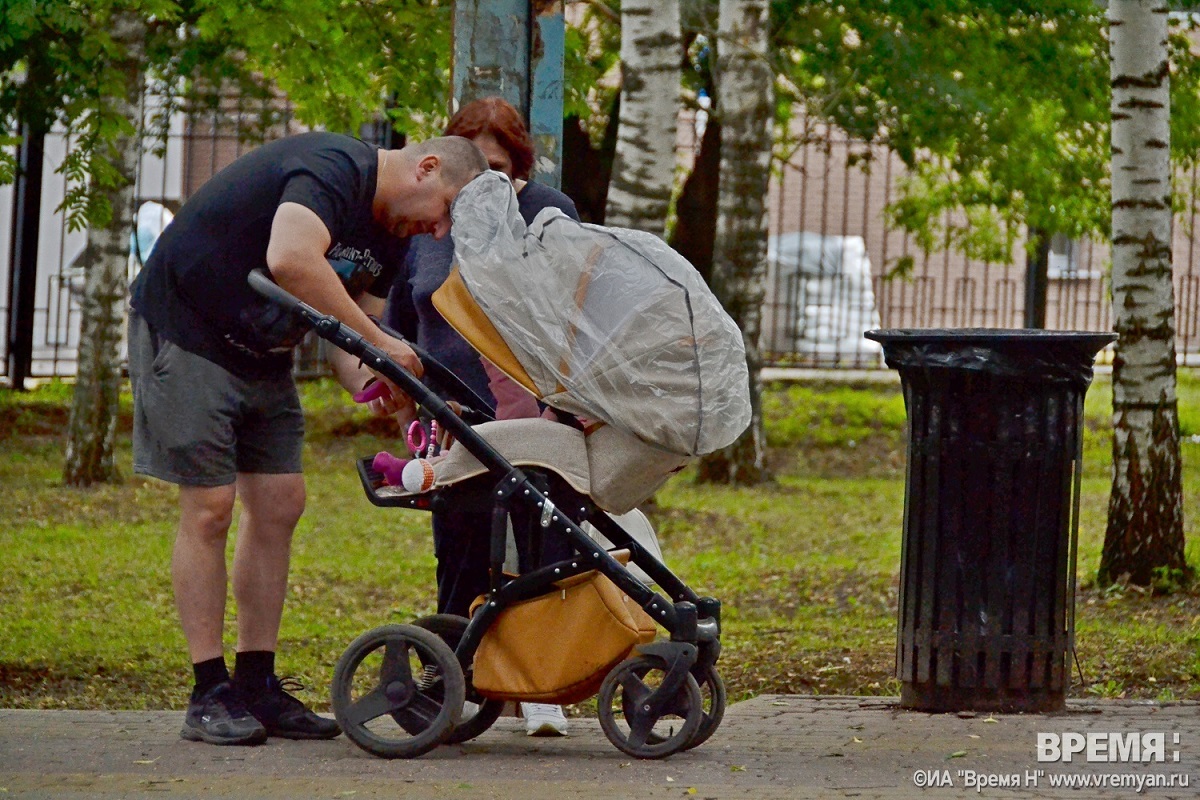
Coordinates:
829 260
198 143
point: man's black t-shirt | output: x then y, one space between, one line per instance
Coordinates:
193 289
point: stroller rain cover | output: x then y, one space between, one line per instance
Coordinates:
609 323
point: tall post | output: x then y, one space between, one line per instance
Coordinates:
547 53
491 51
515 49
22 282
1037 265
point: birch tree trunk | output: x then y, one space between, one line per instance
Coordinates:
745 109
643 175
1144 539
98 377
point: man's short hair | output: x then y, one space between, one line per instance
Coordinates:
461 159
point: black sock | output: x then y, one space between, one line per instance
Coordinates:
209 674
252 668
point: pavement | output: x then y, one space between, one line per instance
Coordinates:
769 747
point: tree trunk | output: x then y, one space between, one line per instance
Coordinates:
639 194
1144 539
1037 264
586 169
98 376
744 107
696 209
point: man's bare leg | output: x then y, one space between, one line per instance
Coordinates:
198 567
271 507
215 714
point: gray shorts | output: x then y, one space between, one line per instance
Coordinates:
196 424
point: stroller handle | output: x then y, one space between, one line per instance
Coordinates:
262 284
444 380
474 409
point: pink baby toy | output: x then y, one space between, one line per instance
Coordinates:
390 467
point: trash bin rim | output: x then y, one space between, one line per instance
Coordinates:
985 336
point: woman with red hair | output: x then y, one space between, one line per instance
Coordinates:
497 129
461 538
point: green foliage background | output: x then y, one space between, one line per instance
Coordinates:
998 108
340 62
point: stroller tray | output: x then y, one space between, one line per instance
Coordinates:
472 493
377 490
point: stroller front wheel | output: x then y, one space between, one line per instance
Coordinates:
398 691
650 726
712 701
712 693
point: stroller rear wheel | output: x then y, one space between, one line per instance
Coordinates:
479 712
398 691
652 726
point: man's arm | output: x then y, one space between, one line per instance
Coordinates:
296 258
353 375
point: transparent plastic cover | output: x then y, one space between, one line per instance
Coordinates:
610 323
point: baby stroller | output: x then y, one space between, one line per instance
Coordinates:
576 628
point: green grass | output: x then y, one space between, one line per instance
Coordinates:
807 566
805 415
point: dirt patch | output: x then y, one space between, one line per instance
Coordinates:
382 427
873 457
38 419
774 666
33 420
87 685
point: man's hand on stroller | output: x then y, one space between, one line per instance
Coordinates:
399 351
391 400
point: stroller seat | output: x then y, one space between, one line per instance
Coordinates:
617 470
523 442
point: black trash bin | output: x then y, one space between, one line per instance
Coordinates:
987 572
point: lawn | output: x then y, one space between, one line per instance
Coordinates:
807 566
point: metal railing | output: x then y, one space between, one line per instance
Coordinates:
198 142
828 203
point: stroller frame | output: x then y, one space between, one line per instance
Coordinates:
429 707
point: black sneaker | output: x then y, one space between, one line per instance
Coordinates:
219 717
285 716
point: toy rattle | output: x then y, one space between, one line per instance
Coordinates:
422 442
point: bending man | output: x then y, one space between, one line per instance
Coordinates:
216 410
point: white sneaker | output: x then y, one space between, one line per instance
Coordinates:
544 720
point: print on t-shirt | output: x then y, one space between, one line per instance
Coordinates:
356 268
